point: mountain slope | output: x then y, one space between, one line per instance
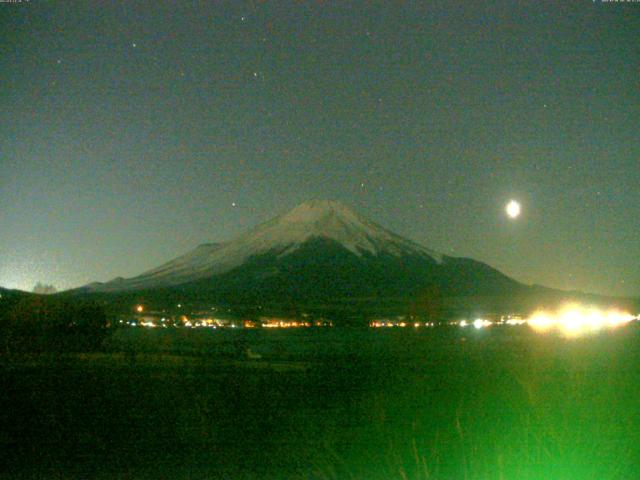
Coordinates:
322 254
285 234
319 252
323 269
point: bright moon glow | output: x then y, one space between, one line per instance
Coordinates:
513 209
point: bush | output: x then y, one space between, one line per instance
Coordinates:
36 323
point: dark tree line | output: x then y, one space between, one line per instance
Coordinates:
35 323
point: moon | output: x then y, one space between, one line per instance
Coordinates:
513 209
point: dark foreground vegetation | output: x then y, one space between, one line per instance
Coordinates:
327 404
40 323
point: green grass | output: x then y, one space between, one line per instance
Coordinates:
367 405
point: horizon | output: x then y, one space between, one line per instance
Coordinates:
330 204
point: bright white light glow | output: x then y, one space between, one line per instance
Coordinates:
573 320
481 323
513 209
541 321
515 321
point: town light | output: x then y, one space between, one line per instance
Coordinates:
573 320
481 323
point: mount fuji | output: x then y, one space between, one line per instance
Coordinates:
320 250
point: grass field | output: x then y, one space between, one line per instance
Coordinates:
501 403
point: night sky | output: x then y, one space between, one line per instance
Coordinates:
130 132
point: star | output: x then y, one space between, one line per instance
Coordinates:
233 204
134 45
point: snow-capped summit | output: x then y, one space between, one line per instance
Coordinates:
315 219
331 220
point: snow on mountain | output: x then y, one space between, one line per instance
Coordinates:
327 219
284 234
